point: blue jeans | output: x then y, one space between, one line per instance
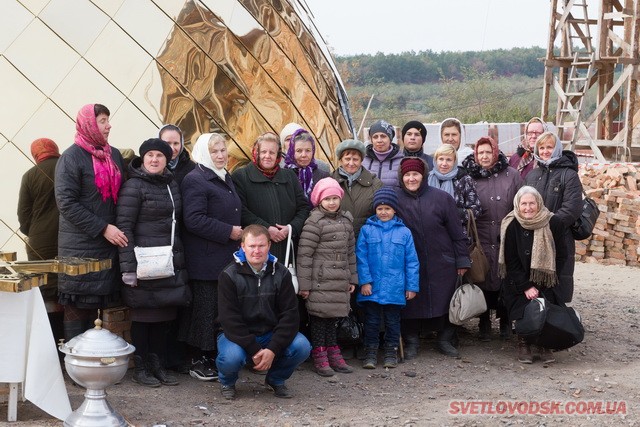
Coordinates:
231 358
373 315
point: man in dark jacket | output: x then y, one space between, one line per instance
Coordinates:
258 311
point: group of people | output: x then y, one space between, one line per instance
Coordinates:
385 235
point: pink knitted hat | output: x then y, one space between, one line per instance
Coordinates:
324 188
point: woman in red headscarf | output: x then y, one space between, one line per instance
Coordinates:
88 178
271 195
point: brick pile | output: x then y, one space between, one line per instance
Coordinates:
616 237
118 321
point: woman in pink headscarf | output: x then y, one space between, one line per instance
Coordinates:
87 181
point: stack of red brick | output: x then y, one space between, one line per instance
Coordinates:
616 237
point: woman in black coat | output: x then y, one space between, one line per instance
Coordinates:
556 179
88 178
271 196
528 258
211 215
149 207
180 164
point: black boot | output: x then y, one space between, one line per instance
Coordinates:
411 345
141 375
370 358
390 357
73 328
446 338
485 327
159 372
505 328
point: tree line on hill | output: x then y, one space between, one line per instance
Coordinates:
430 67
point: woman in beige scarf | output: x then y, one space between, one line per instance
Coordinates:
527 260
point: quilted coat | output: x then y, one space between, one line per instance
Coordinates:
326 262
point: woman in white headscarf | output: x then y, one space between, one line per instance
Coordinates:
211 215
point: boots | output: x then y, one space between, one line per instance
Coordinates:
370 358
446 339
411 345
141 375
73 328
546 356
524 351
336 361
321 363
505 328
390 357
159 372
485 327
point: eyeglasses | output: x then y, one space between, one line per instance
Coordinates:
534 133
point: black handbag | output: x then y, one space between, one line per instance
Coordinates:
532 322
562 328
349 330
583 227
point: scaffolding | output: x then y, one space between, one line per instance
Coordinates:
598 52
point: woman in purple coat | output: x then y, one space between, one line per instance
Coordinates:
433 219
497 184
211 215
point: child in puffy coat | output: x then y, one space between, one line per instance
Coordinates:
388 270
326 266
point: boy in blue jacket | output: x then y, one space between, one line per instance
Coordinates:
388 276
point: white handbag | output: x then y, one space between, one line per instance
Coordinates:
467 302
156 262
291 263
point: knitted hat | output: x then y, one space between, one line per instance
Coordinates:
324 188
288 130
414 124
382 126
385 196
350 144
156 144
409 164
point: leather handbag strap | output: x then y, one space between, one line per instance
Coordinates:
472 228
290 249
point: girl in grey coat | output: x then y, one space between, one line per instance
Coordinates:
327 273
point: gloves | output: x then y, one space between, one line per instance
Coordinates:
130 279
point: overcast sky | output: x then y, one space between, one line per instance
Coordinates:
394 26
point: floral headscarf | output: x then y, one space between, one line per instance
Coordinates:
305 174
108 177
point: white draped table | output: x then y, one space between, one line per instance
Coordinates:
28 354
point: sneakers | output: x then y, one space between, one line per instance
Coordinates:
228 391
280 390
204 369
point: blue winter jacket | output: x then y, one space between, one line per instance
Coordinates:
387 259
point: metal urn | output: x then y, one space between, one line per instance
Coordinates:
95 360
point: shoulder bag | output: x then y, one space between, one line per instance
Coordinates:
156 262
291 263
479 269
467 302
583 227
349 331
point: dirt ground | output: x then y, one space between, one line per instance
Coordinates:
421 392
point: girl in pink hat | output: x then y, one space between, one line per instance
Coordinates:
327 274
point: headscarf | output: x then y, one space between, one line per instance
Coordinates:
543 252
526 153
255 155
443 181
173 163
202 156
305 174
43 149
557 150
494 149
107 175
